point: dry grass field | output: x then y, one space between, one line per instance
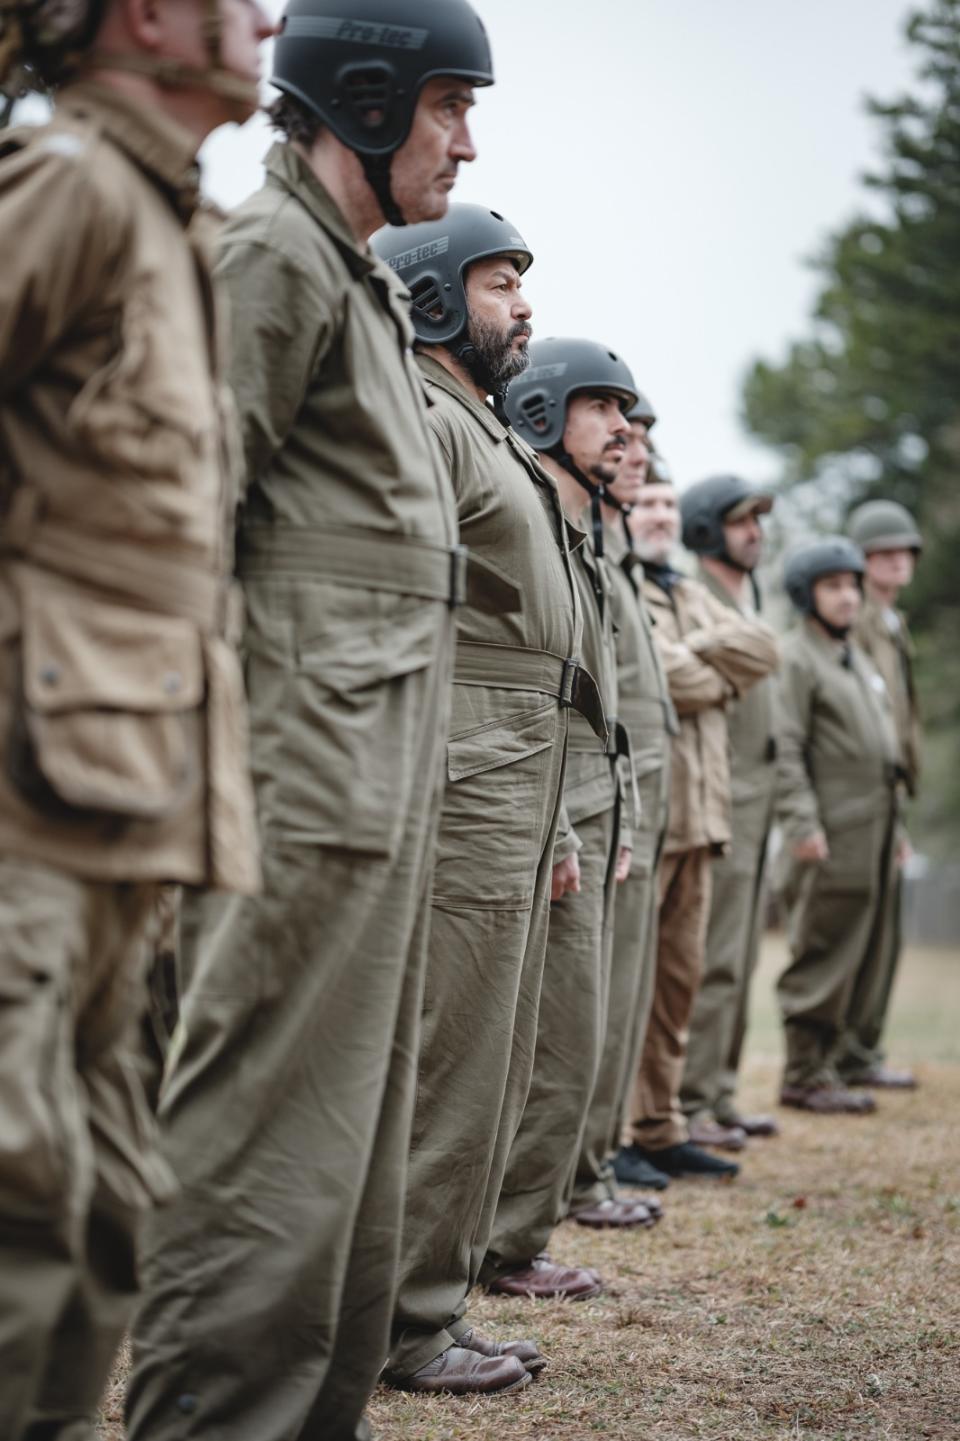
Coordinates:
818 1296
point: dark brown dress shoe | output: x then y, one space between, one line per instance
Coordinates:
462 1372
885 1078
706 1132
543 1280
526 1352
752 1125
616 1213
828 1100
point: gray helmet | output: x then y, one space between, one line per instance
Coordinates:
806 566
884 525
536 402
363 76
643 411
705 506
432 261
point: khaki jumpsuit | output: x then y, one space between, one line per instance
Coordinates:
718 1024
837 770
121 708
645 709
491 892
270 1283
539 1177
883 636
710 654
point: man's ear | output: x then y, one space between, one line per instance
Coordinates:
143 20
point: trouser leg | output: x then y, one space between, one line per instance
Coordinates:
627 1008
484 971
860 1048
656 1118
286 1114
76 1164
539 1171
725 1108
829 929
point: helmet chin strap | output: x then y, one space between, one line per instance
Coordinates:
377 170
596 490
838 632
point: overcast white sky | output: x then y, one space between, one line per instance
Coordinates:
671 163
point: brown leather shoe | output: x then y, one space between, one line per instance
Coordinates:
752 1125
526 1352
706 1132
462 1372
543 1280
616 1213
828 1100
885 1078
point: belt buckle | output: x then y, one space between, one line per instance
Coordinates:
458 576
568 678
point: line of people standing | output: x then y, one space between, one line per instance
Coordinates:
489 734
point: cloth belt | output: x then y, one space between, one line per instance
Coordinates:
858 772
376 560
518 668
142 576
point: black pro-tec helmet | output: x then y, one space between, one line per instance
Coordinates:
812 562
643 411
537 400
360 66
705 507
432 260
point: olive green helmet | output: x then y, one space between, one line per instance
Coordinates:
884 525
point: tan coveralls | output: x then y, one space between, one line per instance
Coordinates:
121 707
270 1283
718 1024
883 636
491 892
710 655
836 772
645 709
538 1181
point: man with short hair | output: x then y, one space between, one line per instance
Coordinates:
888 536
721 526
121 701
837 803
502 797
270 1282
644 707
570 406
711 655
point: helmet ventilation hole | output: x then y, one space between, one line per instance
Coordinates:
369 91
534 410
427 299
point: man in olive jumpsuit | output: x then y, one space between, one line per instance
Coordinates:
888 536
711 655
837 780
570 405
270 1283
644 708
125 762
721 525
505 758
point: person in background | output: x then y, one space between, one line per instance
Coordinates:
837 803
722 527
888 536
711 655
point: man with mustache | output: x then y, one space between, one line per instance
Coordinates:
644 707
513 686
721 525
570 406
711 655
270 1282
